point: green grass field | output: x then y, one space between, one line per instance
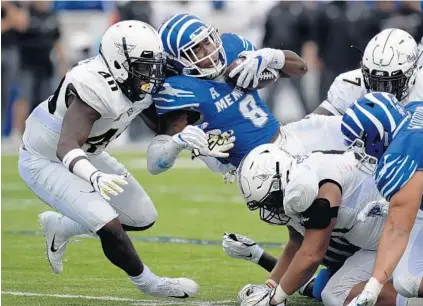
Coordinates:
193 203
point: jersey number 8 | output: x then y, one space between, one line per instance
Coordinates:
249 110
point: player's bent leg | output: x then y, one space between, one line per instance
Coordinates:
407 277
136 212
356 269
118 248
84 209
135 208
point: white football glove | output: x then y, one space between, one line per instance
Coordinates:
369 295
191 137
229 177
107 184
372 209
238 246
251 289
261 298
217 143
254 65
365 298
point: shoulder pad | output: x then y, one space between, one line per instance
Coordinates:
393 172
301 190
345 89
179 92
97 89
234 45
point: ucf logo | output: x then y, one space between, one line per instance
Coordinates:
120 48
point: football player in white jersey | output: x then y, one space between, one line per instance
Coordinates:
63 161
320 197
390 64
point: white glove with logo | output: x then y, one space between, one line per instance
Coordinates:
238 246
255 63
251 289
191 137
217 143
369 295
261 298
364 299
107 184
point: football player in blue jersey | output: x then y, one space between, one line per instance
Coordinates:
200 93
388 140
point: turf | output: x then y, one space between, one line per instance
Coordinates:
192 203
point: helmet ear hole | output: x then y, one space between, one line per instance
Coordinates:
117 65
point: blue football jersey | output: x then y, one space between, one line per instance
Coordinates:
221 105
404 155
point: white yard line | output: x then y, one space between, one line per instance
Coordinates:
118 299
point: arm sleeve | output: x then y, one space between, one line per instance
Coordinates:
162 154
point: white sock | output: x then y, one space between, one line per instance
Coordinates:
70 228
145 279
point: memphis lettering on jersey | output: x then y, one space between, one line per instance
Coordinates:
225 102
416 122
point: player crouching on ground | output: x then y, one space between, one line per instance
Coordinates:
388 140
319 197
63 161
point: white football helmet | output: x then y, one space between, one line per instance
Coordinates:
133 52
262 178
390 63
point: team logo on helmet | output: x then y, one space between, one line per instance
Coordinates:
121 48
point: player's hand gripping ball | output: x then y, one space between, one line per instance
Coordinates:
267 77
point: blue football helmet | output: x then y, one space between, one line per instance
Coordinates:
182 35
369 126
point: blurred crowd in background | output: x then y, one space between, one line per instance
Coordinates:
41 40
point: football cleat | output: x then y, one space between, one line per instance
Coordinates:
238 246
55 244
180 288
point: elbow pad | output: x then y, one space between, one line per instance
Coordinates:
162 154
319 214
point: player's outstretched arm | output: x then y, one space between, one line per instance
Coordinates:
319 220
178 135
288 254
164 148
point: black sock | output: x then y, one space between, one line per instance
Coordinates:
119 249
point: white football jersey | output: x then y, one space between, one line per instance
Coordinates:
358 190
92 82
349 86
314 133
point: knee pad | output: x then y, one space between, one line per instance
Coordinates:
129 228
407 285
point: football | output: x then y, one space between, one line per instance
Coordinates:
267 77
